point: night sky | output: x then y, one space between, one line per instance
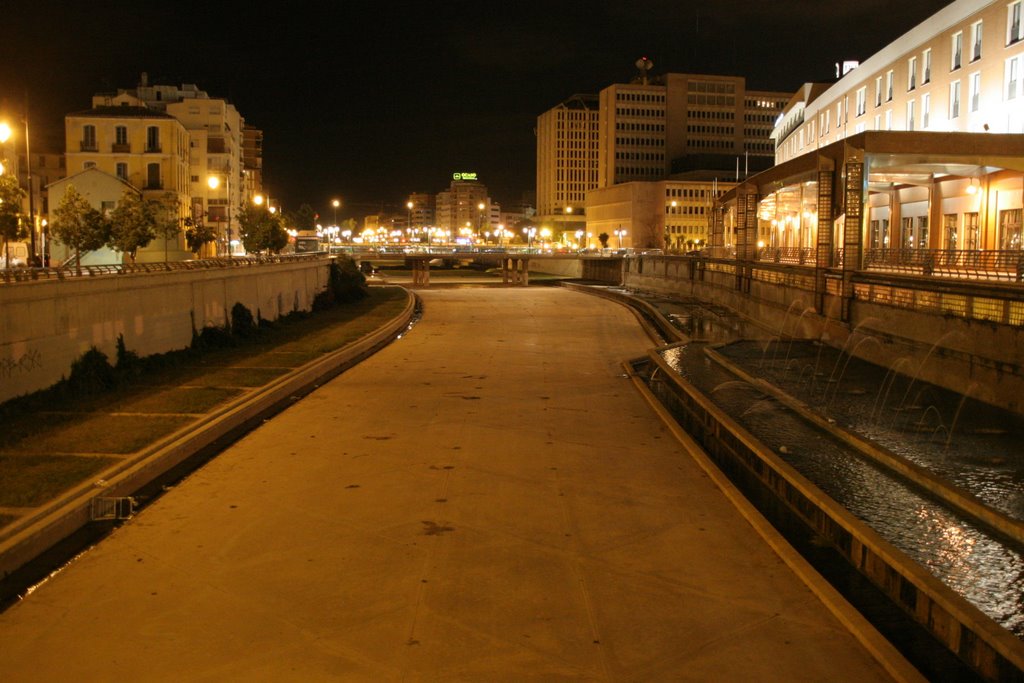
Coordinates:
371 101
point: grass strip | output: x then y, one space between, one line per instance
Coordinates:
31 481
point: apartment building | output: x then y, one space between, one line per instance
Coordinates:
459 207
961 70
147 149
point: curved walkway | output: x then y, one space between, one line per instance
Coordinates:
486 499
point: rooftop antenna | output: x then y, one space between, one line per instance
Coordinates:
644 65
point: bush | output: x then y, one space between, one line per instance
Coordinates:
242 323
128 362
345 284
92 373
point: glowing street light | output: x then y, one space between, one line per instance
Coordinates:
620 233
335 203
214 182
530 232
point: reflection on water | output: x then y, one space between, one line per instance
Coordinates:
986 570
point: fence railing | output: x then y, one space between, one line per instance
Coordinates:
993 264
22 274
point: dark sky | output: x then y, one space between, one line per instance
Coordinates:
370 101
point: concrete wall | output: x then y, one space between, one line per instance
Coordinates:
982 359
46 325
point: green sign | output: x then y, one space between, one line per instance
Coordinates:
465 175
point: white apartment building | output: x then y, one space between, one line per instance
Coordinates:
567 137
961 70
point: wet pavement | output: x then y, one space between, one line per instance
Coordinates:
488 498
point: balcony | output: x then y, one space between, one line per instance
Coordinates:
121 148
89 146
153 149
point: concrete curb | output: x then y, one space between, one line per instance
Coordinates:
880 648
26 539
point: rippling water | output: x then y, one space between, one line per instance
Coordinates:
986 570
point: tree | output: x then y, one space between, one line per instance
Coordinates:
603 239
132 224
78 225
197 234
11 226
303 219
261 230
168 223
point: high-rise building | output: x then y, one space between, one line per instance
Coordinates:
684 122
567 137
420 207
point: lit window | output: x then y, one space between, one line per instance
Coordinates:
1014 26
912 73
926 77
957 51
954 99
975 41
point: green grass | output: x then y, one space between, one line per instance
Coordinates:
166 396
94 433
29 482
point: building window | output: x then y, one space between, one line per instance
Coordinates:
89 164
1012 76
153 176
954 99
926 77
957 51
1014 27
888 119
910 115
970 239
888 86
1009 229
121 135
976 91
926 110
122 170
862 97
912 73
976 41
949 230
878 91
152 139
88 138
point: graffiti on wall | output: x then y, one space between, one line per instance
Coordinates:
29 361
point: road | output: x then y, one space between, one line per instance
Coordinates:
488 498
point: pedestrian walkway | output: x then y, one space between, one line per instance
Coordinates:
488 498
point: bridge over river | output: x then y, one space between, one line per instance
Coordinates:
488 498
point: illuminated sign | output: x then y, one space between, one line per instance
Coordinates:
465 175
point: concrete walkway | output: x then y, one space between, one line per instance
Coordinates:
487 499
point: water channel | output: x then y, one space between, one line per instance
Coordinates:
961 440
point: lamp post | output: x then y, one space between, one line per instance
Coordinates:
214 182
620 233
530 232
408 214
5 134
479 218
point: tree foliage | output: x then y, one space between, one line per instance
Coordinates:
12 228
132 224
197 234
303 219
261 230
603 239
78 225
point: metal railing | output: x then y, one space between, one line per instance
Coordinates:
67 271
976 264
799 255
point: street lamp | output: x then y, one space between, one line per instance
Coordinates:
335 203
408 214
5 134
480 218
530 232
214 182
620 233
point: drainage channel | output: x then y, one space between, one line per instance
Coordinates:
944 635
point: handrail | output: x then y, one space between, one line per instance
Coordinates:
23 274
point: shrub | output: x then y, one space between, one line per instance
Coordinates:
92 373
242 323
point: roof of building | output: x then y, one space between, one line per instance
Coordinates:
122 112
